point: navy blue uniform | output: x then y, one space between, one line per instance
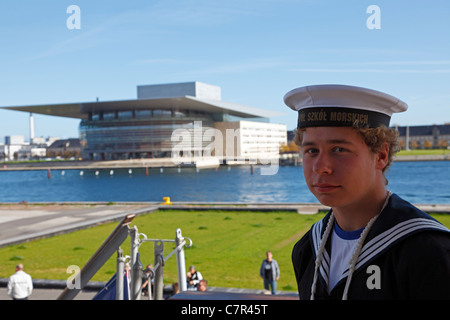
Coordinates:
406 255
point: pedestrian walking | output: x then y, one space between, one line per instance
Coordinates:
20 284
270 272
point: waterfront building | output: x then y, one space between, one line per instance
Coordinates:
244 140
416 137
425 137
147 127
65 148
16 148
10 150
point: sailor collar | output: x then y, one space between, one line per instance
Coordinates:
397 221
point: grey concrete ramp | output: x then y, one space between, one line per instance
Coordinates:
20 223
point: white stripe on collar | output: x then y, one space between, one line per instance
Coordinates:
378 244
389 237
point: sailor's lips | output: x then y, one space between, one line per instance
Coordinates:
325 187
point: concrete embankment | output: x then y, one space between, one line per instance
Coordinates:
161 163
24 222
86 165
426 157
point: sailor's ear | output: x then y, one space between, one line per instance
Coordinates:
382 157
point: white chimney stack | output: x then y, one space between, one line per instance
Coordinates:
31 128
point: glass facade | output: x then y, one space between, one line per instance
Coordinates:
143 133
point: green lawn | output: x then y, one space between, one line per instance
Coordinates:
228 246
418 152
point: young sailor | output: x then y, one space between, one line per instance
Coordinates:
372 244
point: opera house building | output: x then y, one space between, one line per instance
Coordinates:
167 120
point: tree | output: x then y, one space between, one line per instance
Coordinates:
284 148
293 147
413 144
442 144
289 148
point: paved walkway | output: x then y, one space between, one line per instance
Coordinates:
217 292
22 222
49 294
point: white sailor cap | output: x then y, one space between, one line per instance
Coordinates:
342 106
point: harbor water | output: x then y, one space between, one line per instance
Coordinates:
426 182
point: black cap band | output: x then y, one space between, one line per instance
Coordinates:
341 117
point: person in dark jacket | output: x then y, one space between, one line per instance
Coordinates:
372 244
270 272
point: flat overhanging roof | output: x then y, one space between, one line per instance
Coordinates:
82 109
68 110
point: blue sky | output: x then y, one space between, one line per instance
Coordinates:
255 51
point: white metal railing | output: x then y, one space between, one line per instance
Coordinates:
112 244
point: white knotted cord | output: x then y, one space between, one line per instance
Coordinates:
355 255
319 256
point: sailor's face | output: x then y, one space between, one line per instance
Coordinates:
338 166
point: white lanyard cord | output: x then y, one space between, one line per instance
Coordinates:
355 255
